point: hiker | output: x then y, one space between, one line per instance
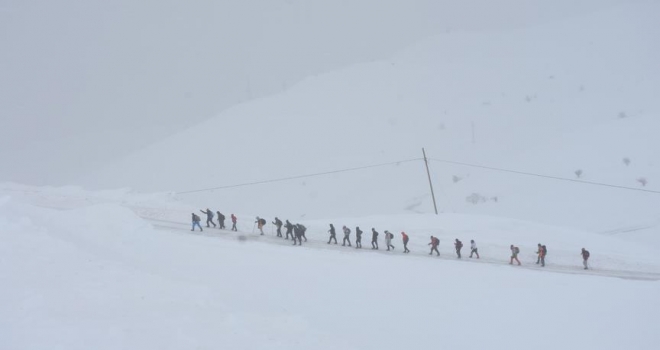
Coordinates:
538 253
358 237
278 224
234 220
585 257
458 245
333 233
514 254
388 239
195 222
542 255
435 242
347 237
209 217
374 238
221 220
405 238
473 249
302 230
289 230
297 235
260 225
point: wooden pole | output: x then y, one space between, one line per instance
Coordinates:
428 172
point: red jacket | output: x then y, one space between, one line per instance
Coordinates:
405 237
233 218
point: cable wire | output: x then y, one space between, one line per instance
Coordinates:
544 176
300 176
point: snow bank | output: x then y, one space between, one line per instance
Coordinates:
98 276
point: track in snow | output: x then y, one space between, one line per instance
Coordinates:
183 228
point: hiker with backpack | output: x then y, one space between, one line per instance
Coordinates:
278 224
458 245
514 254
543 253
347 237
195 222
388 239
297 238
473 249
585 257
221 220
302 229
333 233
209 217
234 220
358 237
289 230
538 253
405 238
435 242
260 225
374 238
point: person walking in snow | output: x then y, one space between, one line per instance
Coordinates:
374 238
289 230
358 237
514 255
278 224
260 225
209 217
458 245
538 253
435 242
234 221
388 239
303 229
473 249
347 236
221 220
195 222
542 255
333 233
297 238
585 257
405 238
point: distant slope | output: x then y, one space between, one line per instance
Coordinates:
572 94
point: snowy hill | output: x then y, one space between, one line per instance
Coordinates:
112 270
572 94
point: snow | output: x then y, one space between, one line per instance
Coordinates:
544 99
119 268
126 272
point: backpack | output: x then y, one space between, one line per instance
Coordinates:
586 254
459 244
545 251
262 221
303 229
516 250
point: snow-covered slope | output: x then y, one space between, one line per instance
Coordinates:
81 270
550 99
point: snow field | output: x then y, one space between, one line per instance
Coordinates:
100 277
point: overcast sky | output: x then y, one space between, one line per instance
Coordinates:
83 82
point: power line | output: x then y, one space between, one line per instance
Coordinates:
300 176
544 176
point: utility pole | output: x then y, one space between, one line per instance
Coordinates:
426 162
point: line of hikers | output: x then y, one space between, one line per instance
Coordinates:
297 233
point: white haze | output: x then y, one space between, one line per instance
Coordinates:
83 83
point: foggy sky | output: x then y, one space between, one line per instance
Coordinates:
83 82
